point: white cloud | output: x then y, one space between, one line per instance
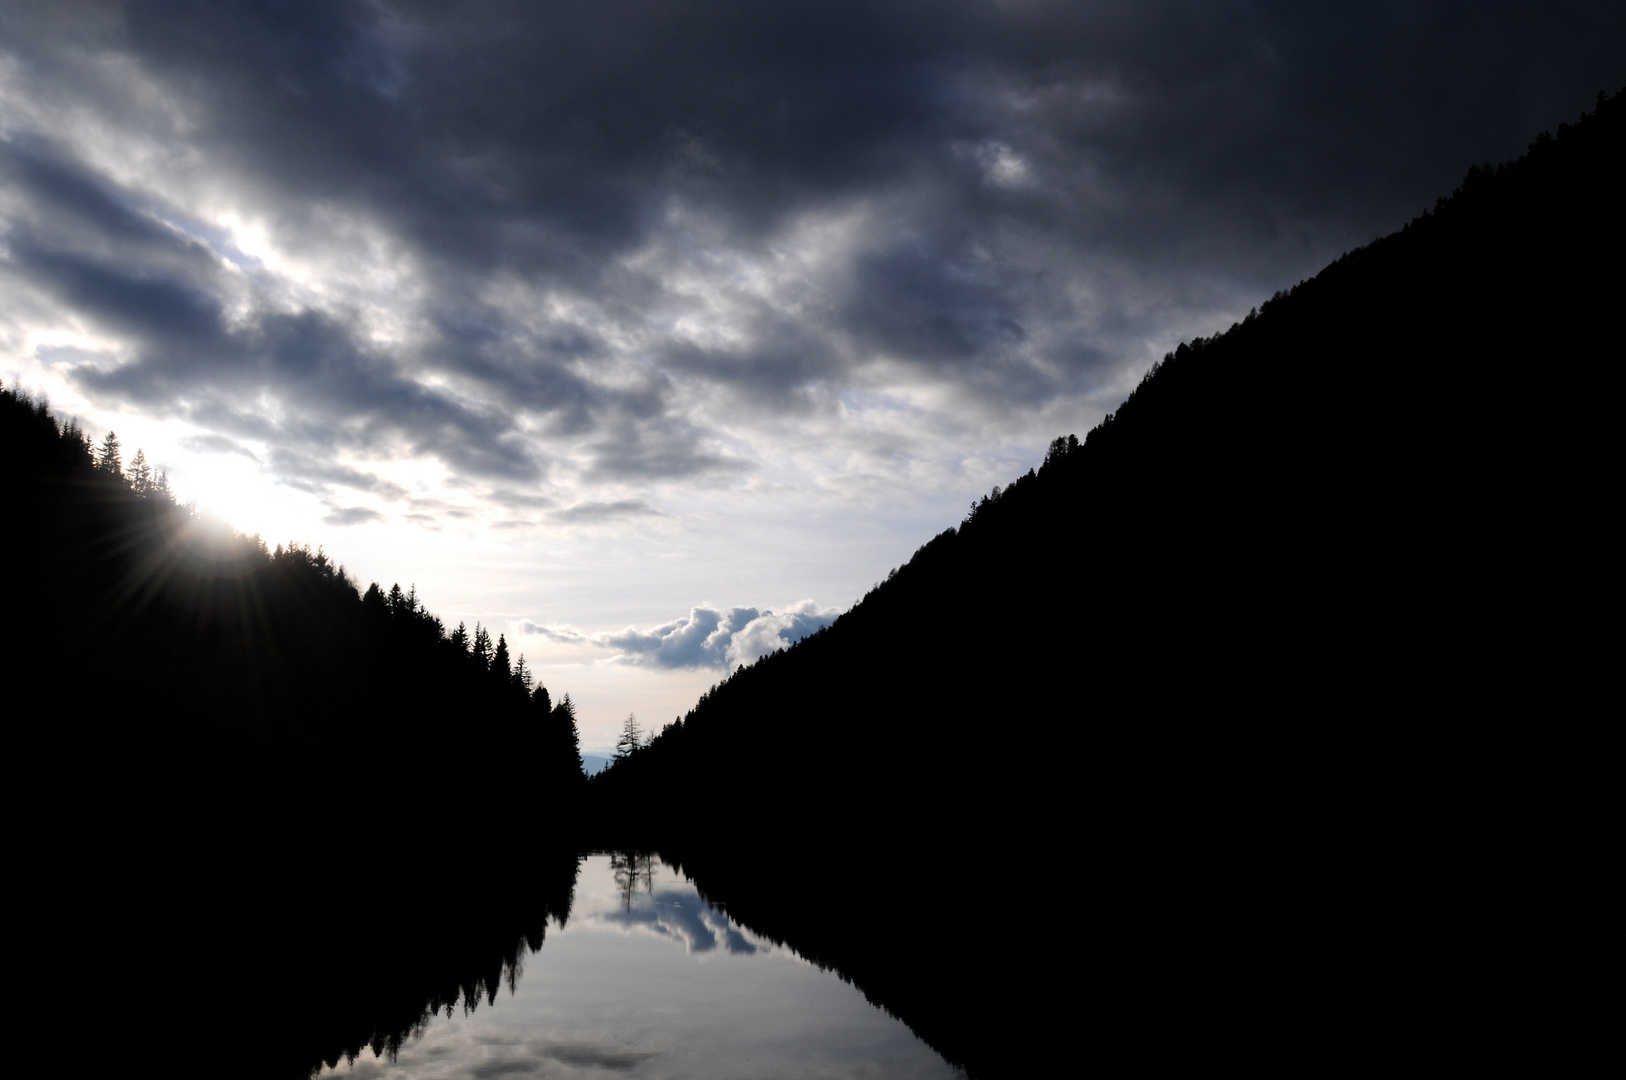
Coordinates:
709 637
770 631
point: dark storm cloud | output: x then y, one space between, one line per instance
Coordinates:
1039 190
783 357
102 252
113 261
342 390
658 450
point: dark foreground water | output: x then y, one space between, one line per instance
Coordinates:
645 979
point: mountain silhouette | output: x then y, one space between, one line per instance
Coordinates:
296 802
1269 629
191 651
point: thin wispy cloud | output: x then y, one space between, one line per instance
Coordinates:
563 635
598 512
352 515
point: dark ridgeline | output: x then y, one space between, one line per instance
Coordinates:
1236 680
312 811
179 639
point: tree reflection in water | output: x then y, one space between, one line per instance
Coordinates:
632 869
652 980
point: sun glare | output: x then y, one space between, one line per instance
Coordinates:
236 489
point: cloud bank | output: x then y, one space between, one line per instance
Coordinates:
419 261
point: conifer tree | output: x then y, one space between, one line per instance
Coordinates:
140 474
568 736
499 660
107 458
82 448
631 740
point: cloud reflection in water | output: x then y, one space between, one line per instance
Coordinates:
611 993
688 918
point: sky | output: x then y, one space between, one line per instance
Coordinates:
653 334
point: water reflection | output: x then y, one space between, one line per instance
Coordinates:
646 979
631 869
675 912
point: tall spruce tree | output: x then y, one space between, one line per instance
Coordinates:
499 661
107 458
140 474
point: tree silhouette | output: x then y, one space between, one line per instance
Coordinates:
632 869
631 740
140 474
499 661
107 458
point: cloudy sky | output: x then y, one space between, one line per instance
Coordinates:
651 334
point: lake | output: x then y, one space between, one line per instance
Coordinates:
647 979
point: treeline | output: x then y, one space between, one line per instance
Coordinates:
1221 665
271 967
313 812
173 631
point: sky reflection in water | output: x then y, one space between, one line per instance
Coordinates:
648 980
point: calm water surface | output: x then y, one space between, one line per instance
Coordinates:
647 980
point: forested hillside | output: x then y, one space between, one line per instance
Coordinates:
1282 600
232 754
172 638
